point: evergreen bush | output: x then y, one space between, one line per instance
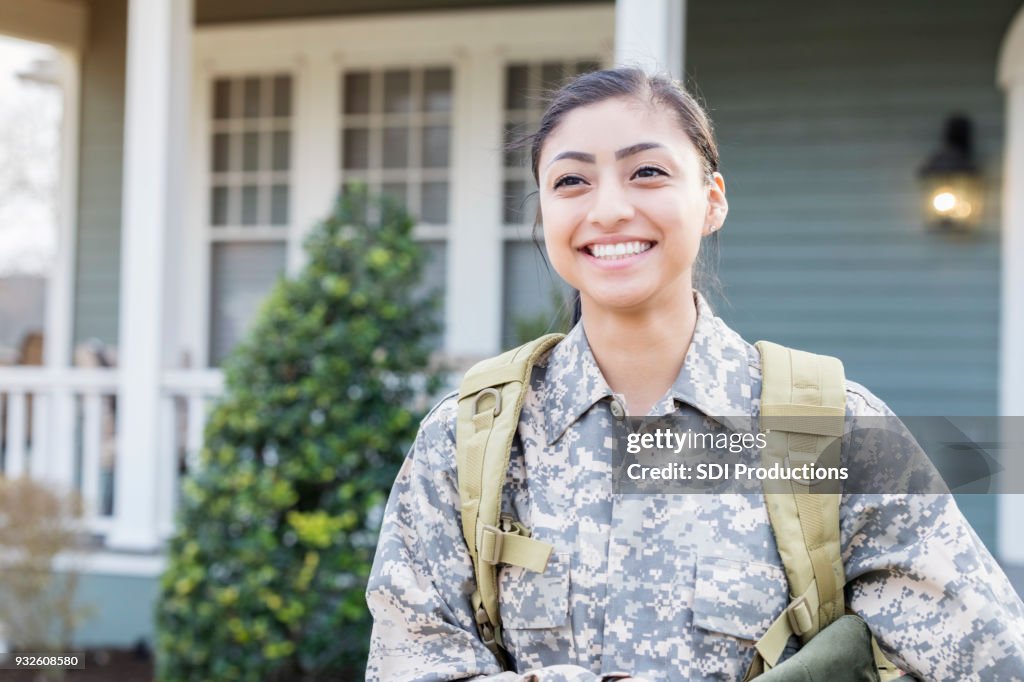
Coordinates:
268 569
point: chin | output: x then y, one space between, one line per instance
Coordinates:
620 301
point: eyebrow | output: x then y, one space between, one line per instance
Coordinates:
619 155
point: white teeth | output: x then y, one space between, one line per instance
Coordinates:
620 250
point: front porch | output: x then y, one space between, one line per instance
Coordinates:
62 426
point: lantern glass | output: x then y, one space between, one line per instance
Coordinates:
952 201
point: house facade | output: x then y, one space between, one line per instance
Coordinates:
201 143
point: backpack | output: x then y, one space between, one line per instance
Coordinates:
803 399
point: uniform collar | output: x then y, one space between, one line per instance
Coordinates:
715 377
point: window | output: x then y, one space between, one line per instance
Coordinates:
395 136
533 292
250 191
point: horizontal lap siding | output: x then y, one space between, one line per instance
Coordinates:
824 114
97 258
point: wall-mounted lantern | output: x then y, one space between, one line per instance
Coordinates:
951 182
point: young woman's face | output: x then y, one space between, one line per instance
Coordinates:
625 202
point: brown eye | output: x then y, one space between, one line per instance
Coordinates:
648 172
568 181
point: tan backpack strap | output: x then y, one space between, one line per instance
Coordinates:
803 403
490 400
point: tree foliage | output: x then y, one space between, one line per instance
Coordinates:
268 569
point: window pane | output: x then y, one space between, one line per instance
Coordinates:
359 212
221 152
551 74
283 96
356 148
516 83
512 202
222 98
250 205
397 92
437 90
533 294
241 276
356 92
279 205
219 202
251 97
587 65
250 151
281 149
515 158
433 280
435 203
396 148
399 191
435 146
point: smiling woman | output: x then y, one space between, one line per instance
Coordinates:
571 580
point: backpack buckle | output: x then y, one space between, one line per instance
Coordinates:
488 391
485 626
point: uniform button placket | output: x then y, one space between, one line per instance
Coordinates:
618 411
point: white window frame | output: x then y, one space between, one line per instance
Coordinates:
476 44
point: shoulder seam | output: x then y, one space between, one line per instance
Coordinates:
437 406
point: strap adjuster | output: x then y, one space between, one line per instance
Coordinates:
800 617
492 539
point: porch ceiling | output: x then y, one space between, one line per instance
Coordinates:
226 11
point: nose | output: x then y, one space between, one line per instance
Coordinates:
611 206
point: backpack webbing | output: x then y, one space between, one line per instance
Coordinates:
803 406
803 399
490 400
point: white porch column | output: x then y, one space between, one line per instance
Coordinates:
159 34
475 245
651 34
1011 364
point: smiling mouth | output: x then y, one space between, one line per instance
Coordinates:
617 251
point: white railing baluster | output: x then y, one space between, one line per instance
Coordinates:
61 435
40 464
92 415
15 434
50 450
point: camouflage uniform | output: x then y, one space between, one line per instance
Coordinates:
663 587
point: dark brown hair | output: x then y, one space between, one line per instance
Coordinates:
655 90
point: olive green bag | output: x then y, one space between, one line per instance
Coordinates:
803 400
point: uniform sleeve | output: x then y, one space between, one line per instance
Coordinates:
931 593
422 577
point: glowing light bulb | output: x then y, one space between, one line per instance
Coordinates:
944 201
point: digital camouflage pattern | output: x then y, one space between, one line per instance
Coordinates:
663 587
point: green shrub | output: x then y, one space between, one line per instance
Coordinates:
267 572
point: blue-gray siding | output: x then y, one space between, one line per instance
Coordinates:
97 256
122 610
824 115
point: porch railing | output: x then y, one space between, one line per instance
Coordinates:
61 427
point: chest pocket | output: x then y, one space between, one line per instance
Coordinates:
734 603
535 614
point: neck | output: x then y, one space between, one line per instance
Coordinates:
641 352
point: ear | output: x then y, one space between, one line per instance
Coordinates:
718 207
